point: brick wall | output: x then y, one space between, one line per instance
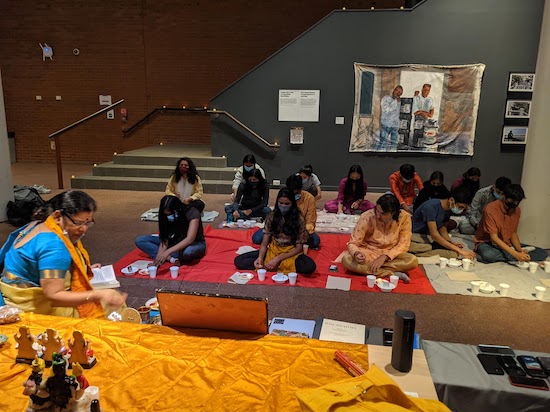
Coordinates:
151 53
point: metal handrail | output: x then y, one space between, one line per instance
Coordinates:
275 146
56 135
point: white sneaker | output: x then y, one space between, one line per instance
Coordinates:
41 189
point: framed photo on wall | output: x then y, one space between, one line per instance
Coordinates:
514 135
521 82
518 109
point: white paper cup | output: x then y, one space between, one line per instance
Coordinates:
475 284
152 271
504 288
466 264
174 271
306 249
442 262
370 280
533 266
292 277
93 391
547 266
261 274
394 279
240 222
252 223
539 292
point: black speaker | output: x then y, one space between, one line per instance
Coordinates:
403 340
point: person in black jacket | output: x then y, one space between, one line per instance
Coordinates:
433 189
251 198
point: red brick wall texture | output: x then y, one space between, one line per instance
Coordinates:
149 52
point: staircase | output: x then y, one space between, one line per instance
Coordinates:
149 169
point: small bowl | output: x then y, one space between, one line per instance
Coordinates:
454 263
522 265
486 287
279 278
385 286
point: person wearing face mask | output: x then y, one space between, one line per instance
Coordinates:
402 184
481 199
470 180
242 172
433 189
430 236
380 241
497 237
181 237
283 239
186 184
252 197
46 268
310 181
351 194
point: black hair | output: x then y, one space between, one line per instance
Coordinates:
261 182
437 175
290 225
307 169
461 194
390 204
249 158
176 207
502 182
69 203
514 192
472 171
359 191
191 174
294 182
407 171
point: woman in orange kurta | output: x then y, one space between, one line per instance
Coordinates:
380 241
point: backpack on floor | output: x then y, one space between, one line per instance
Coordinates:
27 200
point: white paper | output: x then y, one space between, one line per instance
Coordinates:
338 331
334 282
299 105
104 277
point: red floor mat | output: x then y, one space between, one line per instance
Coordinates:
221 245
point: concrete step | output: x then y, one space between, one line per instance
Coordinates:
132 170
167 160
155 184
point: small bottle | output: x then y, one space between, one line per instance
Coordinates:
94 407
229 217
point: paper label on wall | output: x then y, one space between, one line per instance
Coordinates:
299 105
105 100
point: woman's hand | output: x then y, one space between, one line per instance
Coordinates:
377 263
96 266
258 264
161 258
355 204
468 254
458 244
236 215
272 264
359 257
187 201
111 297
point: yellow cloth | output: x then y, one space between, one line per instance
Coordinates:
156 368
308 209
374 391
33 300
286 266
81 272
172 189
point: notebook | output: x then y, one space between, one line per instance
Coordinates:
212 311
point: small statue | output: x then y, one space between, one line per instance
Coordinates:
35 387
83 383
52 342
62 388
25 341
81 351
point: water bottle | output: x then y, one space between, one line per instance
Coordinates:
229 217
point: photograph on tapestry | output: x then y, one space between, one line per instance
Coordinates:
416 108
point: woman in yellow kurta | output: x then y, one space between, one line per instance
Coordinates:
284 237
186 184
46 268
380 241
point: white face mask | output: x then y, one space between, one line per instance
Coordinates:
406 180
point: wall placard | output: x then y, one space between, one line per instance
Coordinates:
299 105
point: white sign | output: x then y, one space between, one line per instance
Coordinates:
299 105
105 100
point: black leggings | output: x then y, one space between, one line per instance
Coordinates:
304 264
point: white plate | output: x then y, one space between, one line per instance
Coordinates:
385 286
144 272
486 287
279 278
128 272
152 303
522 265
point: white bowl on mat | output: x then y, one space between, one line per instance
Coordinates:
279 278
386 286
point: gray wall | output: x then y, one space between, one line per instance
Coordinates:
502 34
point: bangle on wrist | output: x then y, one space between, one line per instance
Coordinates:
88 296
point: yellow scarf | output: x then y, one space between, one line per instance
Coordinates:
80 274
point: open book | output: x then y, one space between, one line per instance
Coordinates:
104 278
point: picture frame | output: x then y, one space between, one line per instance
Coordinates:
518 109
521 82
514 135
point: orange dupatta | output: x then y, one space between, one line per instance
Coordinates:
80 274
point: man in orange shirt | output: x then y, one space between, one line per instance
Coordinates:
402 184
380 241
497 238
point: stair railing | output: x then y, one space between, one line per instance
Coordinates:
55 136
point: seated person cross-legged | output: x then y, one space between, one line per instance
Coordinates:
186 184
310 181
497 238
402 184
351 194
306 205
251 199
282 244
380 241
430 236
180 239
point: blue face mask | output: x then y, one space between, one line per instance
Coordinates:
456 210
284 208
304 181
248 168
297 197
496 195
171 218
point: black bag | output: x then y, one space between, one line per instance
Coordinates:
27 200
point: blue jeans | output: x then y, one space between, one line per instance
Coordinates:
313 241
150 245
259 213
489 253
388 138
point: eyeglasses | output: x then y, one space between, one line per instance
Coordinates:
80 224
